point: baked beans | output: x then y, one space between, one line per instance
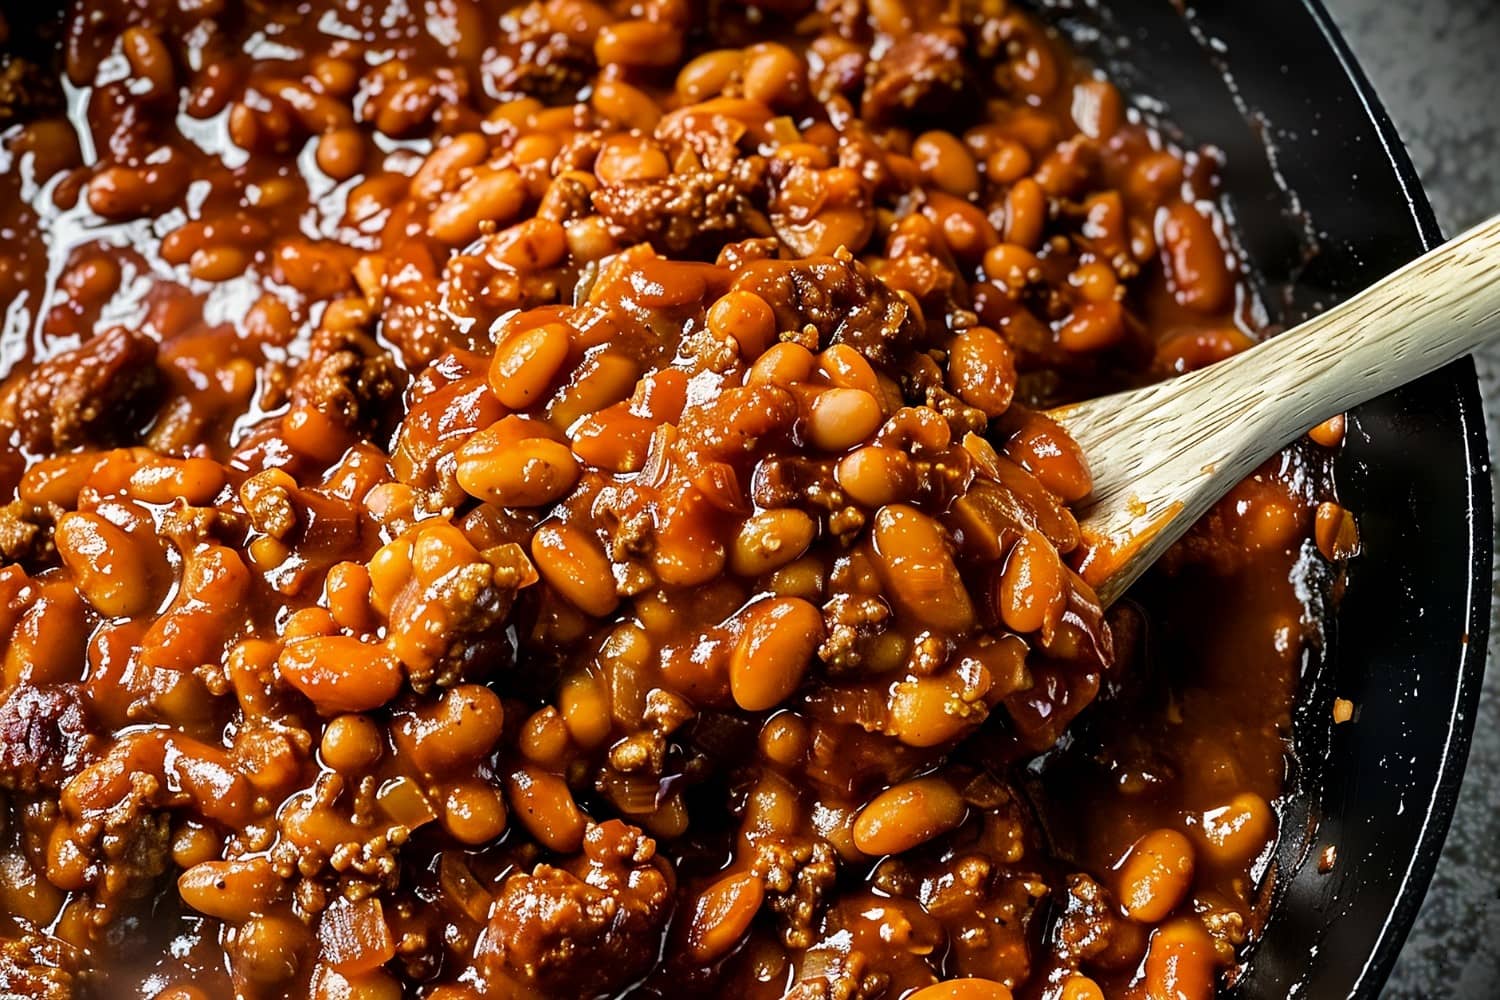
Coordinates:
554 499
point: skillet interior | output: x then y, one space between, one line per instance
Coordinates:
1327 202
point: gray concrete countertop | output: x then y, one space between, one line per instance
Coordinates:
1434 65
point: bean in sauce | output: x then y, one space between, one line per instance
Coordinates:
552 499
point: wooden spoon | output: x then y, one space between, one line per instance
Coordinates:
1162 455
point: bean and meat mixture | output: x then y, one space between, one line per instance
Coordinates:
554 500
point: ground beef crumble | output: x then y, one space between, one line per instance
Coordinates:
452 402
46 736
95 394
584 932
26 532
686 211
922 74
348 378
839 300
39 967
798 875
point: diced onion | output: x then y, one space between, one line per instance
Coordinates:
463 888
402 800
355 936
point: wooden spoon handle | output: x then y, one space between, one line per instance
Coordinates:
1162 455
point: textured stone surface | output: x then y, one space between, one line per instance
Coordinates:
1436 67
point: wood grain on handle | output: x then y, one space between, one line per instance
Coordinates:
1162 455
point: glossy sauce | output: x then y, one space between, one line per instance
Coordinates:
550 501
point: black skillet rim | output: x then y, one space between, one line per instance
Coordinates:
1462 376
1278 91
1461 380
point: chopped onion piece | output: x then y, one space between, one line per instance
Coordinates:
402 800
354 936
463 888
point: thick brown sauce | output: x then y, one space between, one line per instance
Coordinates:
221 240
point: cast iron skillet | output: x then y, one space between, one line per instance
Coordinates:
1326 201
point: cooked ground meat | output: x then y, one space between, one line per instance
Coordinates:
838 300
98 393
46 736
1087 920
832 974
584 933
25 533
922 76
534 59
349 379
39 967
685 213
582 527
799 876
